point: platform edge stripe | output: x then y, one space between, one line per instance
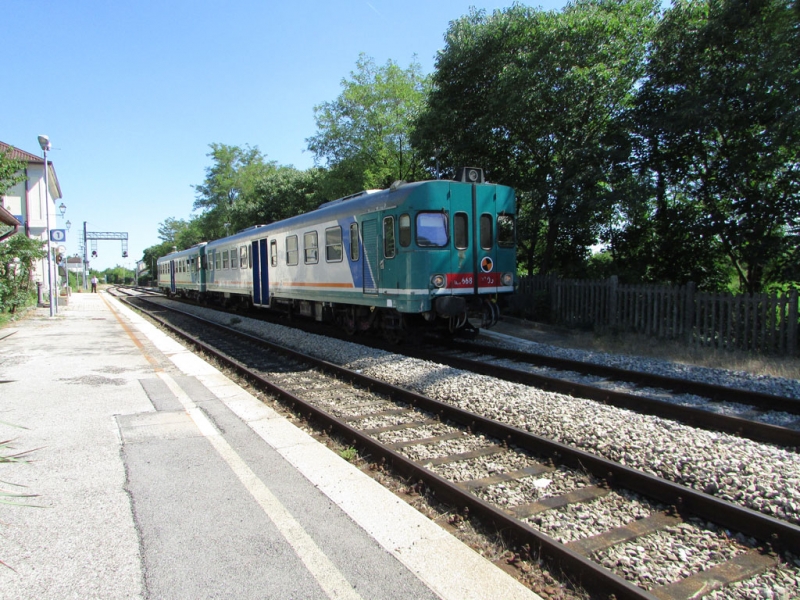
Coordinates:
330 579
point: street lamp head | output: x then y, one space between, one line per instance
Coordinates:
68 224
44 142
62 208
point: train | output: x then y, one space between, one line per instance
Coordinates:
437 254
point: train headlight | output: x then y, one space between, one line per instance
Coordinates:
438 281
507 279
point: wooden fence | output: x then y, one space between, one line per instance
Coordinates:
761 323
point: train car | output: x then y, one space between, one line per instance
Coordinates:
229 273
184 273
432 253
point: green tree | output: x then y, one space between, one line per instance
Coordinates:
12 171
279 193
230 180
171 229
540 98
17 256
719 113
176 234
117 275
18 253
363 137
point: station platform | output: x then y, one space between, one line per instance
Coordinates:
155 476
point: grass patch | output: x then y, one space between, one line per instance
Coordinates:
636 345
350 454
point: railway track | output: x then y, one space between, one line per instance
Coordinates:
658 538
694 403
745 413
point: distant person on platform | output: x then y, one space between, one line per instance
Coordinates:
94 284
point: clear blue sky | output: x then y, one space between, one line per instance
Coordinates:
132 93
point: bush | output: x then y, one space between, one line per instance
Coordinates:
17 256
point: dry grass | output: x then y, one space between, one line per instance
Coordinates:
680 353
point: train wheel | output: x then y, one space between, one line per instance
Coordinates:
491 314
394 328
347 320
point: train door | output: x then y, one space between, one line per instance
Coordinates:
369 237
473 263
258 252
172 287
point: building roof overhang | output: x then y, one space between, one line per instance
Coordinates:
6 218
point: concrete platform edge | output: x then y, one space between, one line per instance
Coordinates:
449 567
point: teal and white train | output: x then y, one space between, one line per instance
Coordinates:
428 254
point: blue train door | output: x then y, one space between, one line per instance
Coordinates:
258 251
369 236
172 287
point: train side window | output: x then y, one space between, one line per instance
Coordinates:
505 230
354 242
217 260
292 255
333 244
461 231
243 257
234 258
432 229
404 224
225 262
487 241
273 253
310 247
388 237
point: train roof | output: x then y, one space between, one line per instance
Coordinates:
186 252
363 202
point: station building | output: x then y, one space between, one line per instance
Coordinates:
28 205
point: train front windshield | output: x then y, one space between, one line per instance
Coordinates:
432 230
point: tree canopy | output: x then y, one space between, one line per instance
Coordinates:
718 111
12 171
540 98
364 136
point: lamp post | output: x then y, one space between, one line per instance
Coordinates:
44 143
62 209
66 260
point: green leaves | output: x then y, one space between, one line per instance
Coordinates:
17 257
719 112
539 98
11 171
364 136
